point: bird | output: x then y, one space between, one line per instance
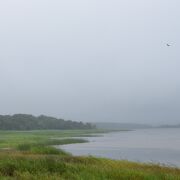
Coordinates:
168 45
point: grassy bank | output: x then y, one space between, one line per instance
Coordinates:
30 155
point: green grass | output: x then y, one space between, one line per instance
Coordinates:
31 155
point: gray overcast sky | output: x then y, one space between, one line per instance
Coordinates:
91 60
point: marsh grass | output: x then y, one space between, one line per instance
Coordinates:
87 168
33 156
46 147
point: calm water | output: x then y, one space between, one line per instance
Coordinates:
149 145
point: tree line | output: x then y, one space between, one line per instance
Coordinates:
30 122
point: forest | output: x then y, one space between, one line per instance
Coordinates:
30 122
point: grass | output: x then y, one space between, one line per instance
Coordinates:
31 155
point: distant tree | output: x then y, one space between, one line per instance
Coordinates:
30 122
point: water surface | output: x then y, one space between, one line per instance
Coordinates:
147 145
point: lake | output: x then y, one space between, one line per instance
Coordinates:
145 145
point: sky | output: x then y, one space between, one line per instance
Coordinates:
91 60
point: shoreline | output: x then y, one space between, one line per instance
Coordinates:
32 157
140 154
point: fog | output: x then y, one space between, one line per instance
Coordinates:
91 60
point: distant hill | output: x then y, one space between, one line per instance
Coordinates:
116 126
30 122
169 126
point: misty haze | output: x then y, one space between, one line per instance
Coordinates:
91 61
89 77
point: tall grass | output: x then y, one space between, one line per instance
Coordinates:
85 168
34 156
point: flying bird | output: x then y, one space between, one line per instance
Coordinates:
168 45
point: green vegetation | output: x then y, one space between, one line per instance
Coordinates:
32 155
29 122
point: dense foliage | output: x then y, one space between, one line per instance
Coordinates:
29 122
